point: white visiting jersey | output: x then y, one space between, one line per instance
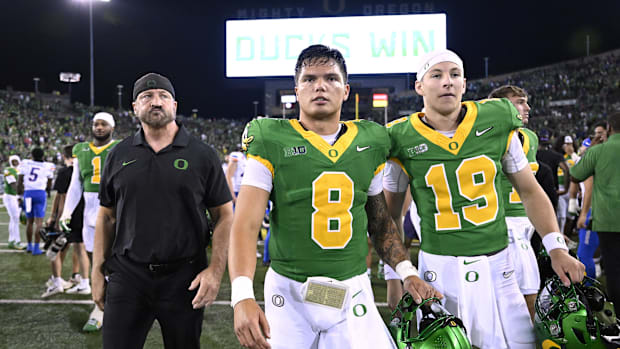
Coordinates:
36 174
240 159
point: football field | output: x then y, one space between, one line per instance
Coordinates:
28 321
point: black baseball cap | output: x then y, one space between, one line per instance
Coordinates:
152 81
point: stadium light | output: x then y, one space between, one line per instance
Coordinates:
92 56
255 108
120 96
36 84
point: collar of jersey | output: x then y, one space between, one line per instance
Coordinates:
462 131
97 150
341 145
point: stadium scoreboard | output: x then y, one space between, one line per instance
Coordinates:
370 44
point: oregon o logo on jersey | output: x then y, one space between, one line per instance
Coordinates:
472 276
180 164
453 145
333 153
359 310
430 276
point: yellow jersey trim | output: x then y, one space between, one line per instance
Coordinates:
512 134
265 162
98 150
379 168
332 152
452 145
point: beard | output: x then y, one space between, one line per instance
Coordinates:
156 120
102 138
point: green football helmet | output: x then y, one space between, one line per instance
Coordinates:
438 328
578 316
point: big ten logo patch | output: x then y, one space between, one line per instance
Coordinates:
294 151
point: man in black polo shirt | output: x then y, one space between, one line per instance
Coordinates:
151 232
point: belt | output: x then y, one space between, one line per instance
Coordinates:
164 268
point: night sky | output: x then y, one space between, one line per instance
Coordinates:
184 40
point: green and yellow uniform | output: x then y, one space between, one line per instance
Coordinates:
570 163
318 221
91 160
455 182
8 172
513 207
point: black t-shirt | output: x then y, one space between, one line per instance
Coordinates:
553 160
61 185
161 199
544 176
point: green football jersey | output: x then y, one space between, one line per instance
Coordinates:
512 202
10 171
91 160
318 221
570 163
455 181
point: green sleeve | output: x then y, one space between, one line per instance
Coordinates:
585 167
252 140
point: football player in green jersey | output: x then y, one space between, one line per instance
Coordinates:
520 229
324 179
11 202
451 155
85 180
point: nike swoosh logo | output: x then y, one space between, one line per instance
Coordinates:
362 148
125 163
507 274
480 133
471 262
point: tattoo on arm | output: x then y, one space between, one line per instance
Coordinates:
383 232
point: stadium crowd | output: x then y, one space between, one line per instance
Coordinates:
26 121
567 98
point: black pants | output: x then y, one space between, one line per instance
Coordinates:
135 297
609 243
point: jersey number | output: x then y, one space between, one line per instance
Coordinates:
332 199
96 162
475 180
33 174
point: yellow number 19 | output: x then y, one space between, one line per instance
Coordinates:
470 188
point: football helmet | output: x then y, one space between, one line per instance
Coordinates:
437 327
578 316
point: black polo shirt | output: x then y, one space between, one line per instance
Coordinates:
161 198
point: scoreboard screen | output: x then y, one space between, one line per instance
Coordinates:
369 44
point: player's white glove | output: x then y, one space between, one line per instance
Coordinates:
65 220
573 207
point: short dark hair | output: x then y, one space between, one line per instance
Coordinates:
320 54
602 124
507 91
67 151
37 154
614 121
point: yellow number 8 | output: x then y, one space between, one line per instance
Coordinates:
332 199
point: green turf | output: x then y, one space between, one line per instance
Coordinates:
23 277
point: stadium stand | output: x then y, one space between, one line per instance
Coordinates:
567 98
26 121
